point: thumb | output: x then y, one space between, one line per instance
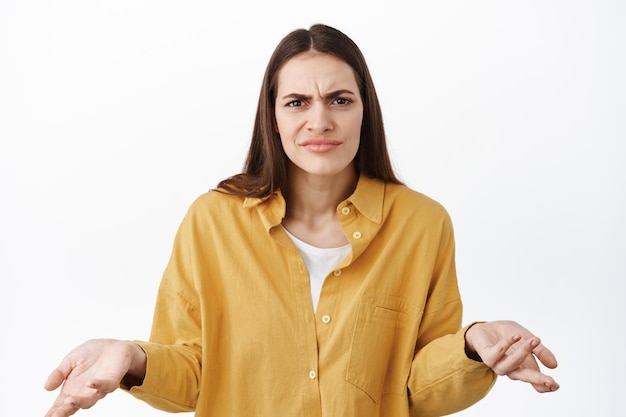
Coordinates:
55 380
59 375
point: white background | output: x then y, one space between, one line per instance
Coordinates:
115 115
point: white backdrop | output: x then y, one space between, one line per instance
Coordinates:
115 115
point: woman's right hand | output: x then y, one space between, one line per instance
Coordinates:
91 371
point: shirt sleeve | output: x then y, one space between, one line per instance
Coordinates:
174 350
443 379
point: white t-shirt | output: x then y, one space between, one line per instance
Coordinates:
319 263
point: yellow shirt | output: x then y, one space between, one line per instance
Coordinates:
235 333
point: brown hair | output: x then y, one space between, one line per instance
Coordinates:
265 170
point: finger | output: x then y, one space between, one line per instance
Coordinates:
60 409
522 353
104 386
539 381
68 402
84 401
546 356
494 354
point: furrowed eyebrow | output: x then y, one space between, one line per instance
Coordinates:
294 96
333 94
338 93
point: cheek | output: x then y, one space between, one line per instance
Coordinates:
285 143
284 126
356 124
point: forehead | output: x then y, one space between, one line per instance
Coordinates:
316 71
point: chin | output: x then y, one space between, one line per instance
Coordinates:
329 172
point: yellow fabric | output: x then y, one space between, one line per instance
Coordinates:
235 333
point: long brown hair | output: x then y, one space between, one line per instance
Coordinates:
265 170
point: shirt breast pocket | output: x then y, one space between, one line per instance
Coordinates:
383 345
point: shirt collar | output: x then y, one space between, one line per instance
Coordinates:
272 209
367 199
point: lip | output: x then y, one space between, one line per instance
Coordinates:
320 144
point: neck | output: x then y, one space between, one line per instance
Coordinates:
313 194
312 206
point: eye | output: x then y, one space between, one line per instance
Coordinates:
295 103
341 101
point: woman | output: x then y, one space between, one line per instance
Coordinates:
314 283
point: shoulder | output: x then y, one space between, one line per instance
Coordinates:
408 209
402 197
216 196
215 203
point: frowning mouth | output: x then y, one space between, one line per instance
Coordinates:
320 144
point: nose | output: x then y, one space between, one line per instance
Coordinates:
320 119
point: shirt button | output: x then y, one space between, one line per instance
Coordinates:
357 235
345 211
325 319
337 272
312 374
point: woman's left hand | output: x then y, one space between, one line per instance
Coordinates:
510 349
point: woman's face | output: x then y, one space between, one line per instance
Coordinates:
319 113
